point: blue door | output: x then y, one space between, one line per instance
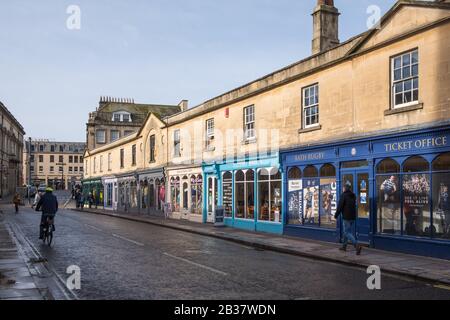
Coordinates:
359 179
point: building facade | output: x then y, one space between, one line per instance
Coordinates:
11 151
116 118
55 164
373 111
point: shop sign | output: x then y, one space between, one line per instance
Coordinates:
295 185
414 144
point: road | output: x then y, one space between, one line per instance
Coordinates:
122 259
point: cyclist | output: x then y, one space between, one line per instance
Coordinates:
48 204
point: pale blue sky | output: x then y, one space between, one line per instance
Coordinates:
155 51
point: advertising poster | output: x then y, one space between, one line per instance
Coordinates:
328 189
311 202
294 202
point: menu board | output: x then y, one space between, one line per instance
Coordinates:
228 197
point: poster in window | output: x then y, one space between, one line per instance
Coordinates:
328 189
311 202
294 201
416 204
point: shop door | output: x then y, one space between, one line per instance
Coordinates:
360 186
212 198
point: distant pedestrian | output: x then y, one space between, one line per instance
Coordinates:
347 207
17 201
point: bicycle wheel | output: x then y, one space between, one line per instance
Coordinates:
50 238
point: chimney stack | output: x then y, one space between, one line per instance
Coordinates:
326 26
184 105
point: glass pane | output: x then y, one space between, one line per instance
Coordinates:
228 176
227 197
415 70
250 203
275 201
406 59
441 205
295 173
406 72
240 176
442 162
363 195
347 179
416 164
275 174
295 204
210 195
398 74
310 172
311 202
239 200
416 205
263 175
415 57
328 203
328 170
398 99
397 62
415 95
250 175
264 201
407 97
389 216
388 166
355 164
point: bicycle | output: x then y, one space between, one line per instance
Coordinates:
48 230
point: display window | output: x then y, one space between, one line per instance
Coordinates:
269 195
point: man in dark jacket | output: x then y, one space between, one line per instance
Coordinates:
347 207
49 207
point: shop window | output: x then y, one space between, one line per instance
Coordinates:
328 197
416 164
388 197
310 172
196 194
175 194
185 194
311 198
269 195
227 193
295 173
328 170
416 198
244 194
441 197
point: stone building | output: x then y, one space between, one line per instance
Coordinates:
55 164
11 150
373 111
116 118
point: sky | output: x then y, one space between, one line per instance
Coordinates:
155 51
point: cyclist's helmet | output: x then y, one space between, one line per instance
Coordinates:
49 190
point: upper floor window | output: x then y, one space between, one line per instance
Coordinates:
70 159
177 143
101 136
133 155
95 165
101 163
122 158
109 162
152 148
61 159
405 79
75 159
41 148
41 158
52 148
61 148
115 135
32 148
209 132
128 132
249 123
311 106
52 159
121 117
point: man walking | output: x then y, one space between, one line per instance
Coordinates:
347 207
49 206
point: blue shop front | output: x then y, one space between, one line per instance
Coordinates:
250 190
401 182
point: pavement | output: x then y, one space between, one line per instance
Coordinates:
17 281
430 270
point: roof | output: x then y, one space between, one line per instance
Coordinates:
16 122
297 70
158 109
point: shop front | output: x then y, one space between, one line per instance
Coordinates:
185 193
152 192
401 183
111 193
128 193
250 191
93 192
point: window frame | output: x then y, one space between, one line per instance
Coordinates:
133 155
177 143
249 123
152 142
310 106
394 82
97 137
122 158
209 132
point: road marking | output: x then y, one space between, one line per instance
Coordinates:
92 227
129 240
196 264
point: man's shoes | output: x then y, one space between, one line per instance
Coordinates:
358 250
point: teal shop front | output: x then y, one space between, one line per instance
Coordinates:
250 191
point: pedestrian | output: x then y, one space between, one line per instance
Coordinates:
90 199
17 201
347 208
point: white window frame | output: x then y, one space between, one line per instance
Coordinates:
121 116
412 79
210 126
249 123
97 140
307 104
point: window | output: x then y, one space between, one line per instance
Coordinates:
32 148
52 169
61 159
52 159
95 165
81 159
41 169
75 159
249 123
75 169
41 148
176 144
41 158
311 106
441 196
115 135
128 132
101 136
116 117
32 168
126 117
71 169
196 194
133 155
52 148
101 163
122 158
269 195
81 169
70 159
245 194
405 79
227 193
389 215
175 193
61 148
109 162
152 148
32 158
209 133
61 169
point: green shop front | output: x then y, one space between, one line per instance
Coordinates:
96 188
250 191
